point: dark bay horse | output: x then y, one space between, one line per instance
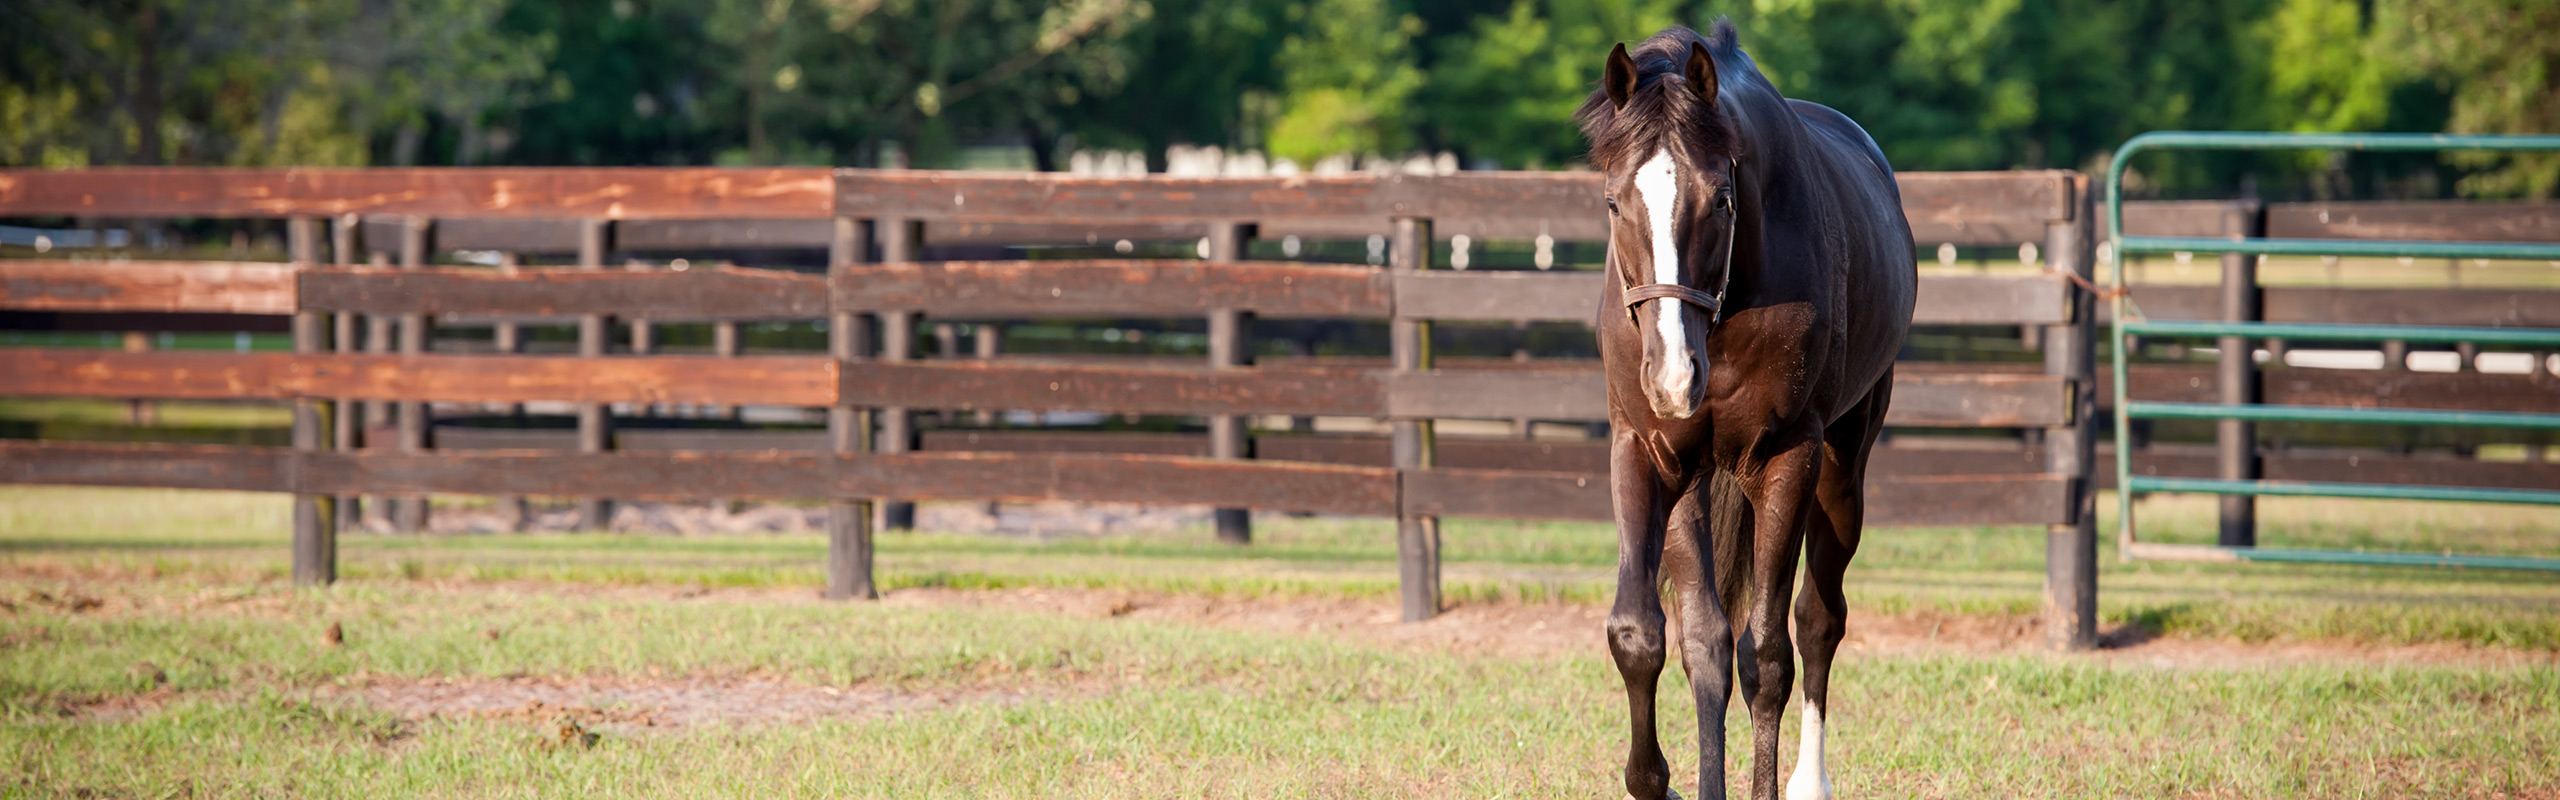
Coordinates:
1761 283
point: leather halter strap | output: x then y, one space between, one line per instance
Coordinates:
1682 293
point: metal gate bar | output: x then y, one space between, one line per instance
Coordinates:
2125 328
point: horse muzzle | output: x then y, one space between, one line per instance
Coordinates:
1677 386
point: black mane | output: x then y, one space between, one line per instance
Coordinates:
1656 116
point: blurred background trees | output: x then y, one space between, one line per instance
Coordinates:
1942 84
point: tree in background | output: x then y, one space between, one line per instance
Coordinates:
2500 62
1504 88
1348 78
247 82
1941 84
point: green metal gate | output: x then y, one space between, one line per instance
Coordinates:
2127 326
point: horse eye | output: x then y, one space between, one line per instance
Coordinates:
1613 205
1724 200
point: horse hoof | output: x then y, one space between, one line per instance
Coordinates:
1667 794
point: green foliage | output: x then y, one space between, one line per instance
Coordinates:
1941 84
2500 61
1347 79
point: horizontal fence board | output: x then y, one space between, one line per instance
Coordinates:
1985 208
698 293
1891 501
179 375
1037 386
1448 452
1936 399
1923 398
950 289
169 466
1498 296
1506 394
1161 480
1969 500
1508 494
2439 220
1992 300
2353 388
2212 218
1062 288
220 287
1369 451
2487 308
605 192
1926 398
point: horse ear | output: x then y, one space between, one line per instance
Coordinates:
1700 73
1620 82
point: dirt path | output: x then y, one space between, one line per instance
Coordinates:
1546 629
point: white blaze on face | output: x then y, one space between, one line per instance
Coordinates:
1812 780
1658 182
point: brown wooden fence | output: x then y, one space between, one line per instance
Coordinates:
874 224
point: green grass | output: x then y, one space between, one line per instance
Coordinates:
1139 709
256 703
230 536
175 413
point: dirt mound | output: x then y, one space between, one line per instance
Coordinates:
633 704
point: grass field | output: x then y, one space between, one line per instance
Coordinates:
151 648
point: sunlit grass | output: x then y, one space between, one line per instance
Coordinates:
252 706
232 536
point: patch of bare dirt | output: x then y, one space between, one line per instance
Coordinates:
1544 629
638 704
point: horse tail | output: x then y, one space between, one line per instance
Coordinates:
1729 533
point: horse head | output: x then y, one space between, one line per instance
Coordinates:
1672 159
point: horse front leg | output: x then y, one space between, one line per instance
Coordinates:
1635 618
1706 632
1781 492
1831 538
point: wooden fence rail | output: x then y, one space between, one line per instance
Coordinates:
874 226
881 281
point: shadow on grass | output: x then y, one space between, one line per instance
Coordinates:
2144 624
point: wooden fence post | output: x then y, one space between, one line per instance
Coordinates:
987 344
2071 547
378 329
1409 341
1230 347
346 421
2236 376
416 417
595 420
899 240
315 545
849 571
507 338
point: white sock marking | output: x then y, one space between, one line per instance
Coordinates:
1658 182
1812 780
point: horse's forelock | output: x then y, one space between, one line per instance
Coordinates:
1662 111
